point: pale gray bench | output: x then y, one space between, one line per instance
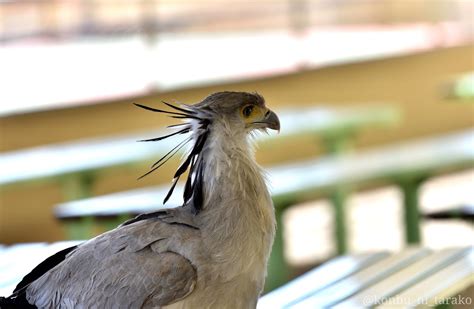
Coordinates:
406 165
401 280
76 165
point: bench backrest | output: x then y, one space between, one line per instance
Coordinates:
49 162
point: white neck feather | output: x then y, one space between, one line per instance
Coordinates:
238 210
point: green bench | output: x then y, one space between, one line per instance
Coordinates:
415 276
406 165
76 165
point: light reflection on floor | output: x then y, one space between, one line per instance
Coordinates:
376 221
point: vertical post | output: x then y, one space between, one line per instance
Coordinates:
78 186
337 144
278 268
108 224
338 199
410 188
79 229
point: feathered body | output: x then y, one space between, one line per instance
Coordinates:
210 253
238 231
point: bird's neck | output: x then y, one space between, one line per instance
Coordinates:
237 210
231 172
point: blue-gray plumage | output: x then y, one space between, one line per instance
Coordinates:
210 253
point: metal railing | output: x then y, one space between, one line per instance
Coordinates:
67 18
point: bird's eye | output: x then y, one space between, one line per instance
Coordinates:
247 111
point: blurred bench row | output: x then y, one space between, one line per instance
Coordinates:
406 165
76 166
407 279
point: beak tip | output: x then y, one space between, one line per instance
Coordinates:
276 127
273 121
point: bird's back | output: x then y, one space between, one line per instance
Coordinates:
132 266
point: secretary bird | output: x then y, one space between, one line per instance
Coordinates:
211 252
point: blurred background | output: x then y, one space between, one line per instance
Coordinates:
380 75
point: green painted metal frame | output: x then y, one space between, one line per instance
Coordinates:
410 186
78 186
338 143
278 269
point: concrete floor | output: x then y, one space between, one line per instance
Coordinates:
376 221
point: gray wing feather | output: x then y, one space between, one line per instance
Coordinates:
129 267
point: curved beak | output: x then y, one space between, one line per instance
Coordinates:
271 120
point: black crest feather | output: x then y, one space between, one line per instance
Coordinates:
193 163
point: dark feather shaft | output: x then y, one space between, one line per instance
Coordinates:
184 166
193 162
188 192
186 111
175 181
178 116
198 188
177 148
162 111
178 125
196 150
169 155
182 131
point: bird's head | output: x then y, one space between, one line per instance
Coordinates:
239 113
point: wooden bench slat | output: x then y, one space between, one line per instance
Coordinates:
361 280
445 283
328 273
404 279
